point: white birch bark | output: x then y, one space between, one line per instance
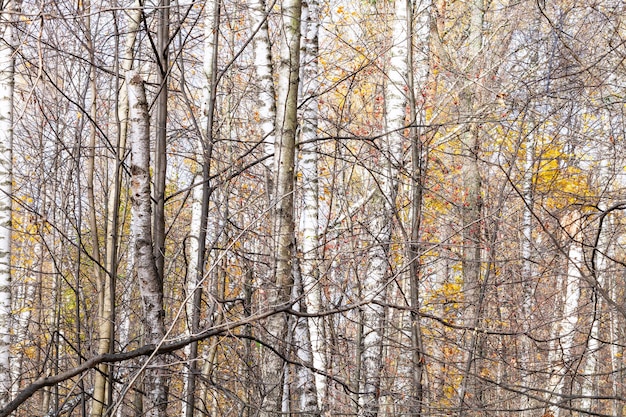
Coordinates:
105 326
149 285
309 221
615 332
200 202
26 293
264 75
602 251
593 345
286 123
527 273
381 224
567 325
7 67
306 387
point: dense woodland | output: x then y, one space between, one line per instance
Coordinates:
312 208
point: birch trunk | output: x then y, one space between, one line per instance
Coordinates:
617 351
200 199
266 94
155 403
105 325
564 337
309 222
600 260
589 383
305 389
104 294
418 75
374 285
472 203
7 67
527 274
286 123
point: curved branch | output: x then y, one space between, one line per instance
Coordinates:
147 350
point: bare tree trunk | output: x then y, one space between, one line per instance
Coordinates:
160 158
305 389
286 123
418 159
104 296
309 222
7 68
149 282
565 328
106 323
600 261
374 285
201 194
472 204
527 273
266 95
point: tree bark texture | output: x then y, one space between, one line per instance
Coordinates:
374 284
160 155
7 66
309 221
266 94
155 403
284 228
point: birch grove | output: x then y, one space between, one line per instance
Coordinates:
361 208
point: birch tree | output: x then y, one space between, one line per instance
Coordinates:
7 67
284 228
309 221
471 210
105 326
419 57
565 328
149 283
200 197
266 91
527 269
377 273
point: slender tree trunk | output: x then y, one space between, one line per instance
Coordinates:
602 253
374 285
91 154
200 202
266 94
160 158
286 123
309 223
149 282
420 76
590 383
104 319
566 326
107 299
527 273
7 67
472 204
617 351
305 389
